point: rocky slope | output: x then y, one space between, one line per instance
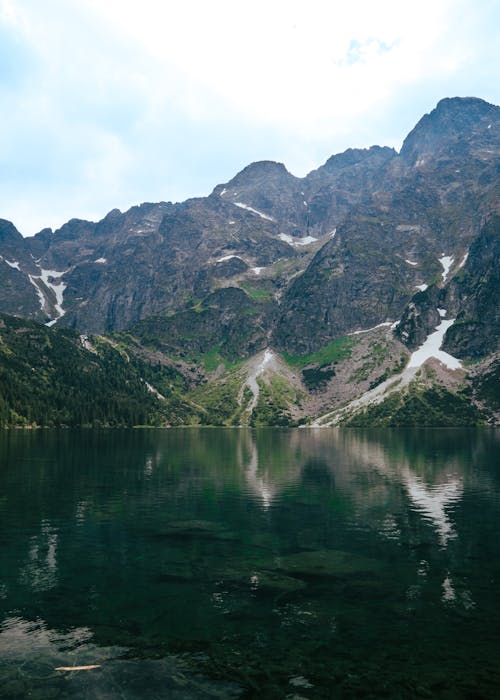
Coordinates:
301 267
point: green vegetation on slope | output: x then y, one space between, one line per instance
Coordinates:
419 407
48 379
487 387
273 406
339 349
219 401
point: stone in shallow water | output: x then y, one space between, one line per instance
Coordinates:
327 562
274 581
258 575
197 528
300 682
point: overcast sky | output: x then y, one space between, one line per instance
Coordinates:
108 103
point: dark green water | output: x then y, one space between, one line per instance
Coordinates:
267 564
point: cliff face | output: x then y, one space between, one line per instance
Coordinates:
270 260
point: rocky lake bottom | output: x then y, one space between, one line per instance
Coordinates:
235 563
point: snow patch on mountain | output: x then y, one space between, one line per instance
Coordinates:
47 281
253 211
446 261
430 348
379 325
15 265
227 257
305 240
41 296
154 391
255 371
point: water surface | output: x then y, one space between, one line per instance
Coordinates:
205 563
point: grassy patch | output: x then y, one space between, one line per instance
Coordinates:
219 401
213 359
257 293
340 349
273 406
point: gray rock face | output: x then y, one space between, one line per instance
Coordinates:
474 294
294 262
227 320
18 295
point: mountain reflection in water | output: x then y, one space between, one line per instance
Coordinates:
328 563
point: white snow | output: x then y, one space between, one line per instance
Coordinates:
223 192
305 203
227 257
254 211
464 260
421 287
41 297
231 223
251 381
305 240
15 265
446 261
257 270
410 262
58 289
101 261
155 391
380 325
489 126
430 348
442 312
332 233
268 356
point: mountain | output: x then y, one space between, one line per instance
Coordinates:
340 277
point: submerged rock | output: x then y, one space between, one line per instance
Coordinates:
327 562
196 528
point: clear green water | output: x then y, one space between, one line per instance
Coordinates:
261 564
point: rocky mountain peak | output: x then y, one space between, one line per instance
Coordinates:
256 174
8 232
453 119
353 156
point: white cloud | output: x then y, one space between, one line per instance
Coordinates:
286 63
110 103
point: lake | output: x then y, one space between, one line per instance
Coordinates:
221 563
